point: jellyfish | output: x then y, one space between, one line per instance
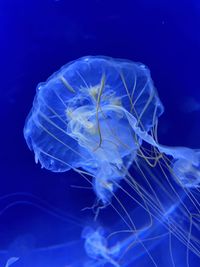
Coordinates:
97 248
99 117
82 118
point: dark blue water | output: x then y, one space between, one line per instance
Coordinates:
40 212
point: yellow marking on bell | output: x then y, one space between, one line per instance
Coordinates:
90 127
89 124
69 112
93 91
107 185
67 85
102 85
115 101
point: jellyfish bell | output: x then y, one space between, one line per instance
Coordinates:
79 118
95 114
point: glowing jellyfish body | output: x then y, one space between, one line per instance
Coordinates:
99 116
79 118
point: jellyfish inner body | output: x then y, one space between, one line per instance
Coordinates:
108 138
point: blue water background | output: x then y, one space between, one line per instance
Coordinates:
37 37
